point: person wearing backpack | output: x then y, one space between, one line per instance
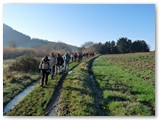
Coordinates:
72 56
80 56
52 59
66 61
75 56
44 68
59 63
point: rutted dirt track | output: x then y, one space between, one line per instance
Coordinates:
52 109
98 93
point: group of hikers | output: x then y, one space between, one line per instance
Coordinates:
55 64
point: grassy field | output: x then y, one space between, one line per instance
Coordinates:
35 103
108 85
127 83
15 82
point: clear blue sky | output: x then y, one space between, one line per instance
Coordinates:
76 24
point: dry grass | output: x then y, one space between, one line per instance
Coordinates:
9 53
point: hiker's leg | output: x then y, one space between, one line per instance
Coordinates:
65 65
68 66
46 78
42 78
56 69
60 69
52 72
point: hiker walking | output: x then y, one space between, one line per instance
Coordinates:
52 62
75 56
44 68
80 56
84 55
59 64
66 61
72 57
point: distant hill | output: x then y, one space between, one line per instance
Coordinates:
17 39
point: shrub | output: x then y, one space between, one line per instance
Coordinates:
26 63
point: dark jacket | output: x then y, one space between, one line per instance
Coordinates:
60 60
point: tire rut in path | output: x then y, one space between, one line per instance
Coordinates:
52 109
98 96
98 93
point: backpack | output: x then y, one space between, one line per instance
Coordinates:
45 65
61 61
67 57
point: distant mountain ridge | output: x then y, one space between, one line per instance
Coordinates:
11 36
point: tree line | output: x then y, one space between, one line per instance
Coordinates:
123 45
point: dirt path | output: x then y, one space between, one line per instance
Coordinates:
53 105
98 96
98 93
52 109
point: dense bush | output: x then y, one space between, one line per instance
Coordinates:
26 63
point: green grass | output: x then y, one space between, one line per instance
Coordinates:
15 82
35 103
77 97
125 93
126 83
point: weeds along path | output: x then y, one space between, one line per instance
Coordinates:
38 100
52 107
